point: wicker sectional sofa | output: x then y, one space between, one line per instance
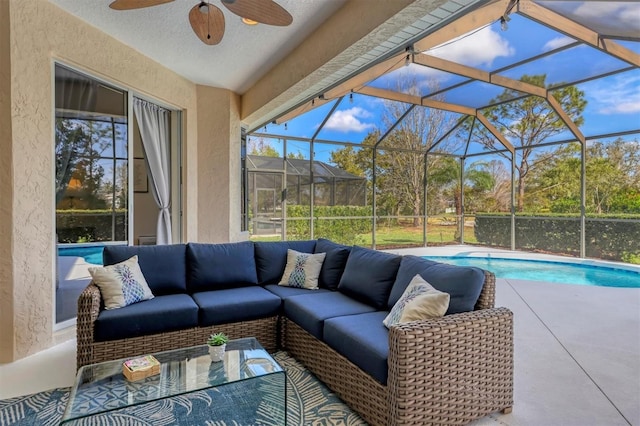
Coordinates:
449 370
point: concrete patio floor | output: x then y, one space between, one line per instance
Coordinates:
577 348
577 354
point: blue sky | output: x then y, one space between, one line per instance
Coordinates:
613 103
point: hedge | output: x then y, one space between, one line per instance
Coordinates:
81 226
560 233
344 231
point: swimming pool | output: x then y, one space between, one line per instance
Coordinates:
535 270
92 254
549 271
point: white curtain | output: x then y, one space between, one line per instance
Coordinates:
154 129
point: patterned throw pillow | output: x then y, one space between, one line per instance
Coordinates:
419 301
302 270
121 284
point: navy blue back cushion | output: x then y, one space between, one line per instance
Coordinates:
463 283
410 266
163 267
334 262
271 258
369 276
215 266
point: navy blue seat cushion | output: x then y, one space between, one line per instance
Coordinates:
216 266
463 283
310 311
333 264
284 292
158 315
369 276
163 267
235 304
363 340
271 258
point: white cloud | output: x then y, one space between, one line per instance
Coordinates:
424 79
480 48
620 95
625 13
472 49
557 42
349 120
607 17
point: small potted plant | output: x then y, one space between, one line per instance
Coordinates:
217 344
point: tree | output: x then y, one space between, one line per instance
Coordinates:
351 160
261 147
498 197
71 137
298 155
479 178
529 121
81 144
400 156
612 178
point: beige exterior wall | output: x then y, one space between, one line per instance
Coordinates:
6 187
33 35
219 164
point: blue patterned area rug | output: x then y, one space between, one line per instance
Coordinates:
309 402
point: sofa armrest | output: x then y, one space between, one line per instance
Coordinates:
451 369
89 304
487 297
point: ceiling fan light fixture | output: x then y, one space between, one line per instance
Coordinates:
207 20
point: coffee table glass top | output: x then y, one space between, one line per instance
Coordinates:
102 387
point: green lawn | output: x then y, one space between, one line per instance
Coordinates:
403 235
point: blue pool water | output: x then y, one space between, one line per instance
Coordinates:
541 270
535 270
92 254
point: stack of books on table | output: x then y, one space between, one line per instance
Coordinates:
141 367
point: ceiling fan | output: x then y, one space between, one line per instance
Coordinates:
207 20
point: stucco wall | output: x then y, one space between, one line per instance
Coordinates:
219 165
6 187
39 34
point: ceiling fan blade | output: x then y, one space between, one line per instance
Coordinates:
136 4
263 11
207 22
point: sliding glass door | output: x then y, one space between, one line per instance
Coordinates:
91 178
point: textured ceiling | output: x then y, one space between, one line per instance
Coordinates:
164 34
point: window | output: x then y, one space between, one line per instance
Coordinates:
91 150
91 179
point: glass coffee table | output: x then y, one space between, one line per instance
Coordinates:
102 388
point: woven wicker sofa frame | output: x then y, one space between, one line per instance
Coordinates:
444 371
91 352
449 370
